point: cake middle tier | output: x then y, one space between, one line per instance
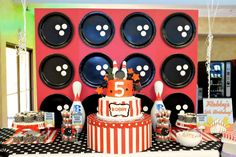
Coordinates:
126 108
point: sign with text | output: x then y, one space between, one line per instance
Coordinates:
219 113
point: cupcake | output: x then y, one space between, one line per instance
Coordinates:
19 118
29 118
181 117
18 138
190 118
40 116
41 138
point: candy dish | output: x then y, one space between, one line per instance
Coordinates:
188 138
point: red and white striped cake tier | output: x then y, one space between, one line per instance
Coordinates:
125 107
119 137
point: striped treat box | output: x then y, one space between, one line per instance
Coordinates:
119 137
229 137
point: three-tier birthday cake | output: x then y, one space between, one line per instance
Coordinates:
119 126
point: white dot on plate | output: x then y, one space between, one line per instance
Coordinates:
61 33
105 66
66 106
187 27
98 27
184 34
58 68
105 27
138 68
145 108
102 33
103 72
143 33
182 73
59 108
63 73
145 67
146 27
139 27
142 73
178 107
178 67
64 26
98 67
57 27
65 66
185 106
180 28
185 67
182 112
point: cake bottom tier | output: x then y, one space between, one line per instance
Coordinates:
119 137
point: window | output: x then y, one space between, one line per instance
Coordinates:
18 81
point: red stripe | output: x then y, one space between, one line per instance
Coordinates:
96 135
107 108
143 137
115 141
108 141
88 136
100 107
101 139
123 140
131 108
137 107
137 139
131 140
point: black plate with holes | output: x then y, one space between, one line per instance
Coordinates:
177 102
96 29
93 69
143 66
56 71
50 104
55 30
178 30
177 71
138 30
146 103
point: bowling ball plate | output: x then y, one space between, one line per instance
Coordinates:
93 69
146 103
96 29
177 103
143 66
55 30
178 30
138 30
54 102
177 71
56 71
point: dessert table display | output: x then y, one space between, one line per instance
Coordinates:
58 147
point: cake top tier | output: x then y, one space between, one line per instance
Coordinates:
120 82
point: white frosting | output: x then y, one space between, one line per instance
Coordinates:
127 108
120 118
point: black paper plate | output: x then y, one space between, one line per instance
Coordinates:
178 30
93 69
51 103
55 30
138 30
143 66
177 71
178 102
146 103
56 71
96 29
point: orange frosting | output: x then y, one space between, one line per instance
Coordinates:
120 88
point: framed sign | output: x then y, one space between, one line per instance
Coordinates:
219 113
